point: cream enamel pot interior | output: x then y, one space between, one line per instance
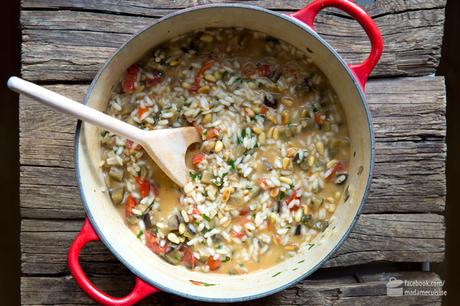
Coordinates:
153 272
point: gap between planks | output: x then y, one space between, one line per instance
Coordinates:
421 57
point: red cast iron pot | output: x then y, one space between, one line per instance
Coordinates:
106 224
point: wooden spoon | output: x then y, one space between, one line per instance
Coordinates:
166 147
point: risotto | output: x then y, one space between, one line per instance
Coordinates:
270 170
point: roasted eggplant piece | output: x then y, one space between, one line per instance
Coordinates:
116 173
117 193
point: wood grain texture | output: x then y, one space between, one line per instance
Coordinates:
159 7
409 120
55 47
68 40
375 238
340 290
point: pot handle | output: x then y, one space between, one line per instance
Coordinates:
87 234
363 70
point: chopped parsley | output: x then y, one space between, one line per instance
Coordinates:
238 80
195 175
245 132
219 181
198 283
141 232
306 219
231 163
281 195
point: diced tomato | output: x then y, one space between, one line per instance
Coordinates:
129 80
195 211
144 186
294 196
152 82
194 89
212 133
157 249
237 234
264 70
141 111
264 110
291 71
337 167
196 84
244 211
263 183
214 264
133 69
155 189
130 145
129 205
319 118
206 66
188 258
242 220
198 158
198 127
152 243
248 70
157 78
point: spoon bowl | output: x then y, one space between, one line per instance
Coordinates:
166 147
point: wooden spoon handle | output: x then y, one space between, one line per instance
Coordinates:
81 111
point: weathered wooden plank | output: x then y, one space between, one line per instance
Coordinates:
57 48
160 7
401 184
343 290
375 238
411 109
409 117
